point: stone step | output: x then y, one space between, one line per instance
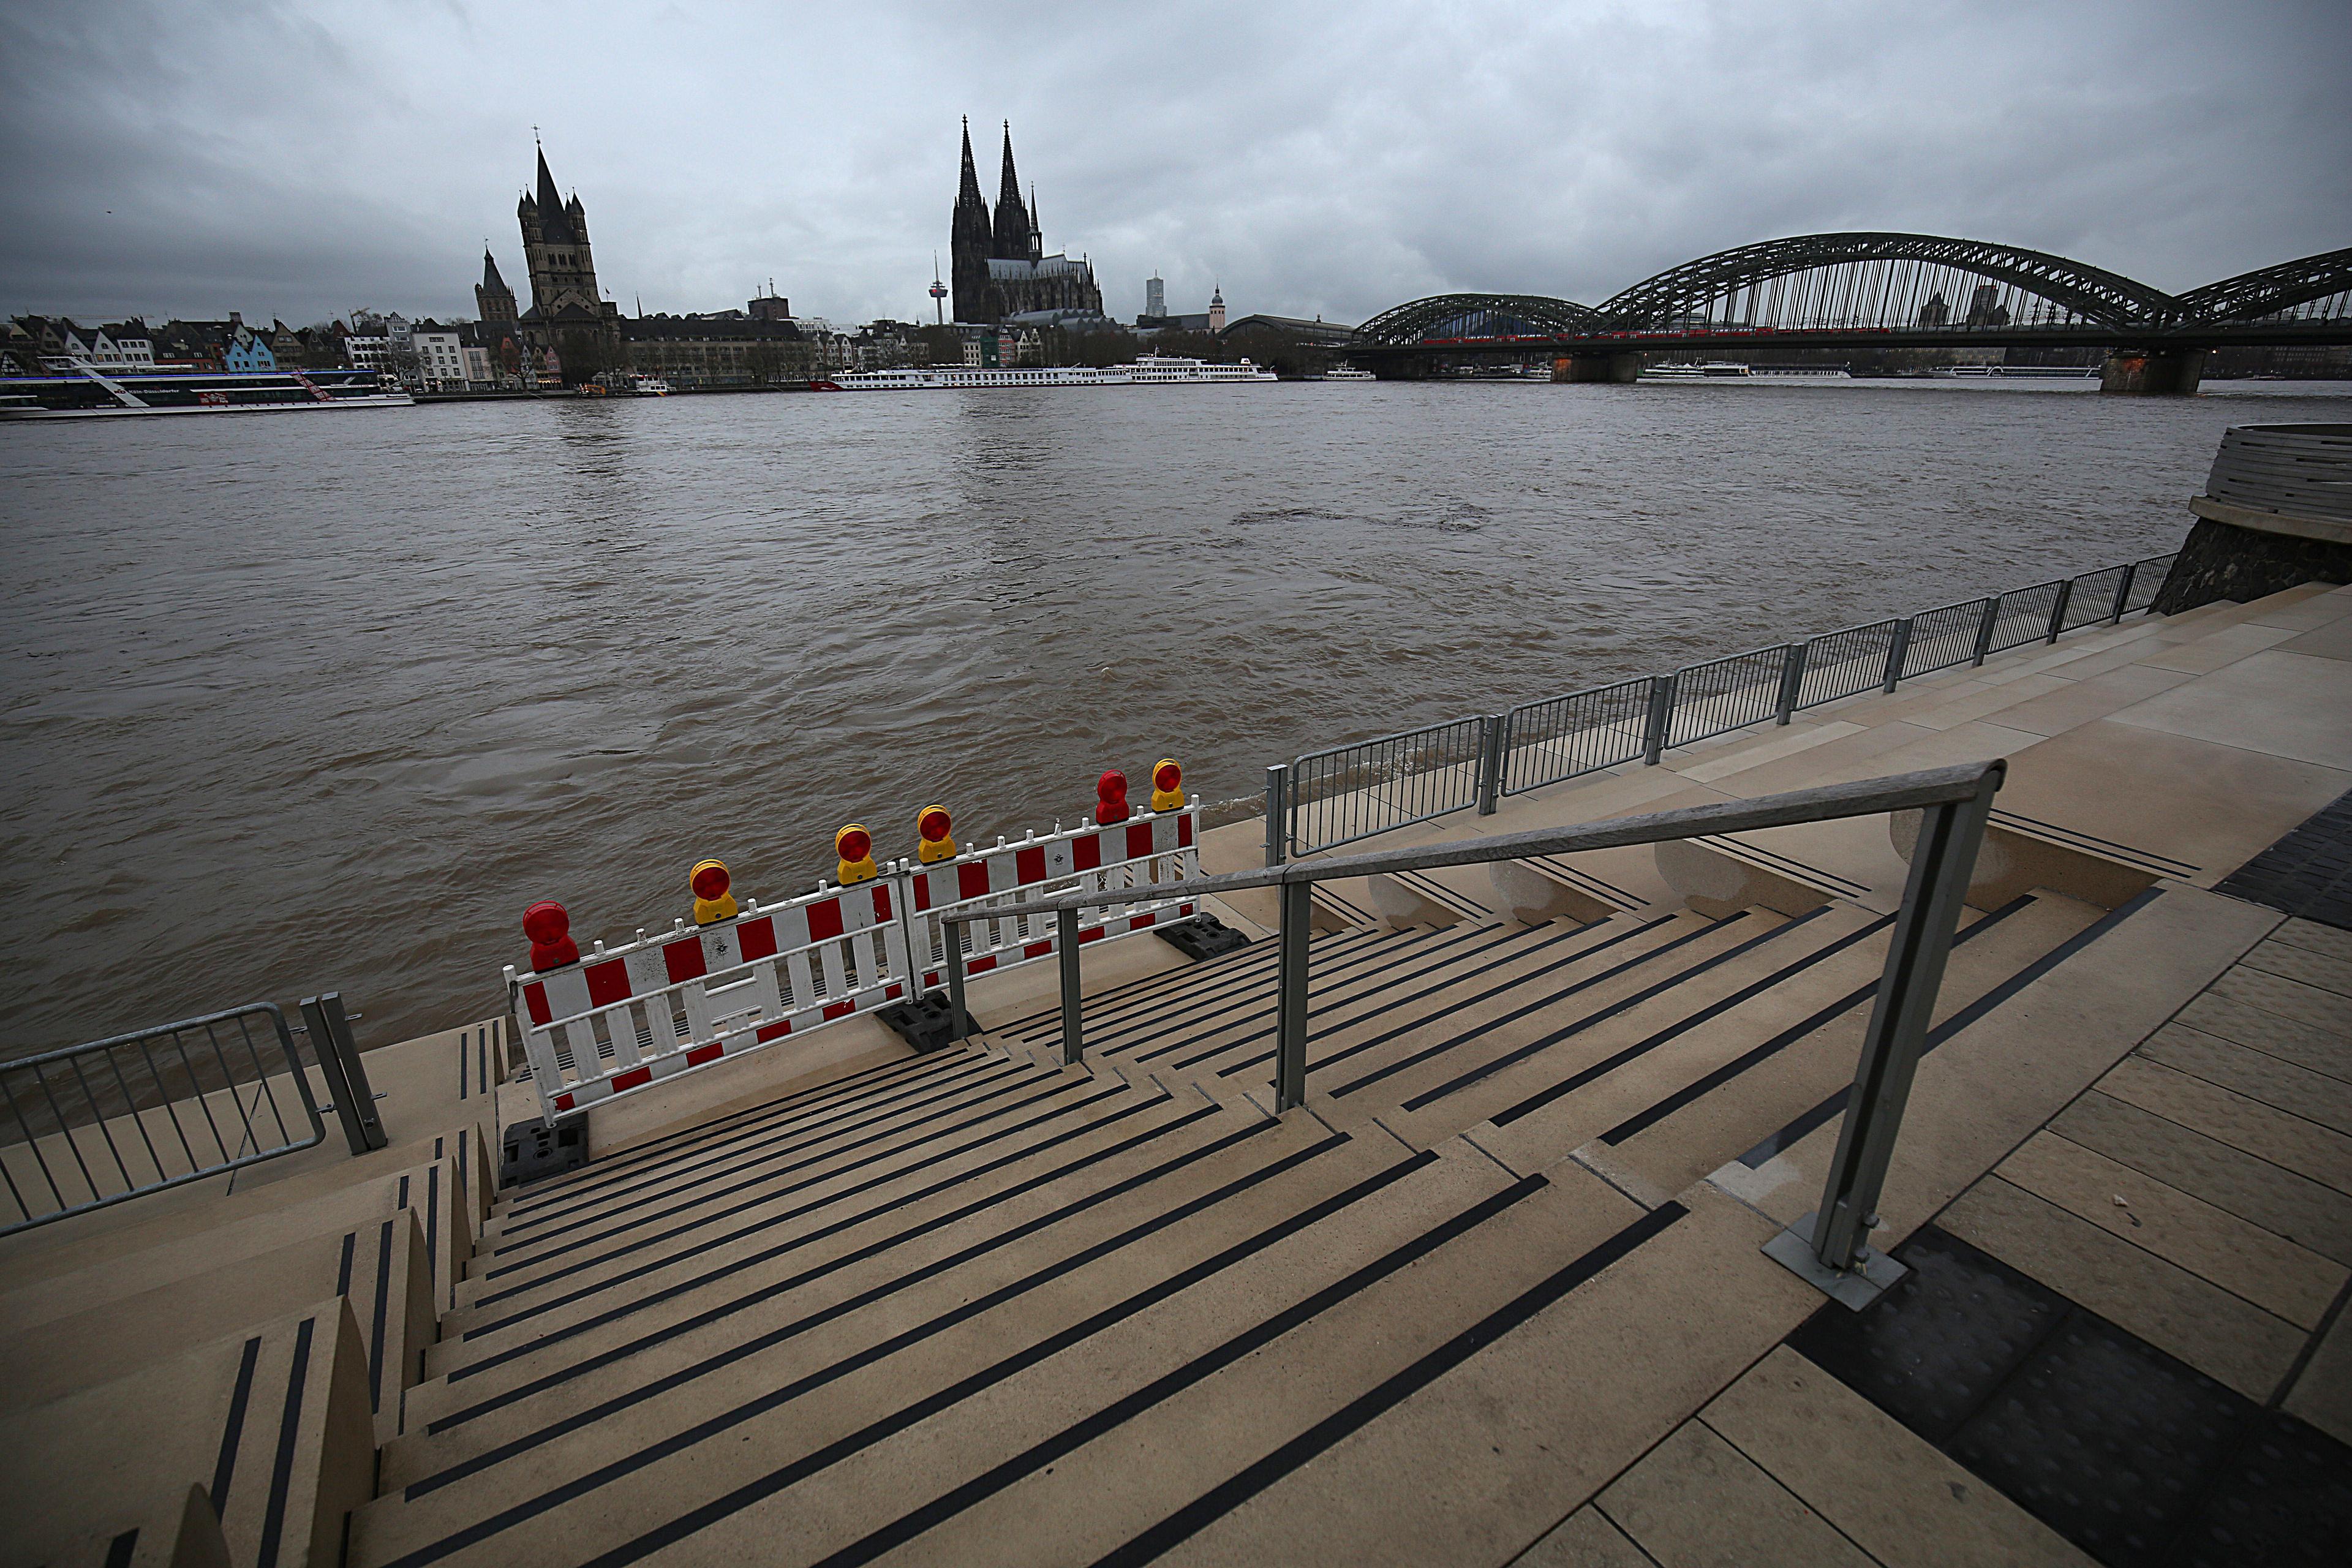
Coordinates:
1531 963
644 1459
271 1421
886 1270
379 1267
1648 968
1246 1361
1071 1171
53 1251
1162 1039
1409 985
1046 1101
759 1155
436 1190
620 1171
1747 1087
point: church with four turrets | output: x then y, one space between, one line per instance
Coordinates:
998 268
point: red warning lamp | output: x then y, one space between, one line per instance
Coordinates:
935 825
1110 797
1168 786
712 901
550 930
854 847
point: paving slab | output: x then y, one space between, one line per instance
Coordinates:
2322 1395
2333 941
2291 961
2277 704
2209 804
2302 1147
2216 1246
2312 1216
2216 649
1585 1539
2219 1334
2309 1046
2313 1096
2093 697
1695 1501
1878 1483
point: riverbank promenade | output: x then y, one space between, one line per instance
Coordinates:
1496 1292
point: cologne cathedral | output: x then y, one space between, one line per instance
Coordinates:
999 267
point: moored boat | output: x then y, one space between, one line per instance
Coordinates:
75 389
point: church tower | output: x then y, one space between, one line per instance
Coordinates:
555 251
1011 212
969 243
493 300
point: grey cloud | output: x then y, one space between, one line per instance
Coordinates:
296 160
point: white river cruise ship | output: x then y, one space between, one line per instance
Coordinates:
1150 368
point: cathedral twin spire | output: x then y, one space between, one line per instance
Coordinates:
978 236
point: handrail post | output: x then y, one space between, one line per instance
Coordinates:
2058 610
1899 650
1662 713
1290 1009
952 932
1792 680
330 1067
1074 1045
347 1079
1277 829
2122 593
1985 628
1942 860
1493 741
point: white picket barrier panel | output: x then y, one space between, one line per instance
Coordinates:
633 1014
1149 849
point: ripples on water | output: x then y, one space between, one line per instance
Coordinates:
321 702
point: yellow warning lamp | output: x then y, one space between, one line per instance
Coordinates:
855 847
938 842
1167 786
712 901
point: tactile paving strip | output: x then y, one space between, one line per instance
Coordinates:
2307 873
2131 1455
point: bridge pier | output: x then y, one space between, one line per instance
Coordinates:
1401 367
1617 368
2152 373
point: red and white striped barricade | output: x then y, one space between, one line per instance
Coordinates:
1149 850
630 1015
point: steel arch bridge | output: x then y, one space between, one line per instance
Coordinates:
1875 290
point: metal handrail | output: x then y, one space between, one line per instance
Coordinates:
1305 814
1957 801
155 1127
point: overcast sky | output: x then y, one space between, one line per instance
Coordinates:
298 160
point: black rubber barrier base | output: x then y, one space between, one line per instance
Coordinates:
2133 1456
529 1152
928 1022
1202 938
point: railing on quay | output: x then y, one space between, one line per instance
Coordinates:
1345 793
1835 1237
99 1125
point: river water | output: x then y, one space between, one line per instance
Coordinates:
322 701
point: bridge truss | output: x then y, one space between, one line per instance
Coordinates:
1871 289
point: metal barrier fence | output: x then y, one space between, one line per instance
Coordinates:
102 1123
1343 793
1567 737
1347 792
1726 694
